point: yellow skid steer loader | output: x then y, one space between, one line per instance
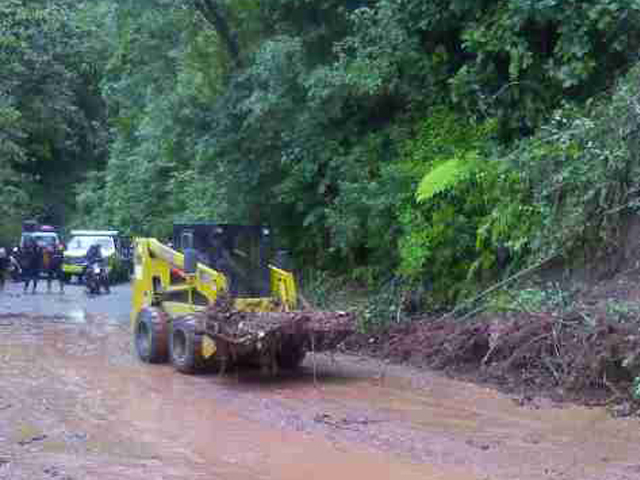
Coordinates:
218 295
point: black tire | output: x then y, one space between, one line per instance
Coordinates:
151 335
91 284
291 356
185 347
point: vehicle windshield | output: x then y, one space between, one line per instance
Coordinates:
84 242
43 239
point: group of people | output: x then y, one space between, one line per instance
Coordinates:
33 261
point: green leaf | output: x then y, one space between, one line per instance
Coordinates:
447 175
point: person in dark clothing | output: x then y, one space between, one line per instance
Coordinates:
31 263
4 267
52 265
94 255
15 268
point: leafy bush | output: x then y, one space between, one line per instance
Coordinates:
466 206
583 170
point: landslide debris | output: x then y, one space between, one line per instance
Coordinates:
323 330
585 354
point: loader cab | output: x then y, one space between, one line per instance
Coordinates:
242 253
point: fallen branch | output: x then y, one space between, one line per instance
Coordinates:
496 287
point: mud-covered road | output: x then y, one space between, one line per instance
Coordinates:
76 404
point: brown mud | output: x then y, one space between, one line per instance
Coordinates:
75 404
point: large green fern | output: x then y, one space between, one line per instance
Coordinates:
447 175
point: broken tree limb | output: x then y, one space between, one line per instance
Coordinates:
494 288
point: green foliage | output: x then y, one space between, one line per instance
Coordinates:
469 206
439 230
377 306
583 169
623 311
310 135
635 389
446 175
553 298
165 66
50 111
383 307
332 121
512 222
528 55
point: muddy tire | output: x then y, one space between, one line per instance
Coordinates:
291 357
185 348
152 335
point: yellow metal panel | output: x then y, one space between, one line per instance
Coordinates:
179 288
283 287
152 260
72 269
176 309
254 304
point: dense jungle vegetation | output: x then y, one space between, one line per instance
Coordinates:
441 143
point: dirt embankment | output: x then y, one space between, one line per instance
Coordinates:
587 352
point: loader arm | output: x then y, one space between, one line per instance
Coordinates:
156 267
159 278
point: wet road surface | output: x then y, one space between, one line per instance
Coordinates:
76 404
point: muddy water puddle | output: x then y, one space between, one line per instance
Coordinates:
75 403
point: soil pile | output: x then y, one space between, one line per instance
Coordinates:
587 354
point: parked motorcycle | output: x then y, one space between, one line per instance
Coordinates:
95 278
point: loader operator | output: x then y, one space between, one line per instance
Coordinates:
223 261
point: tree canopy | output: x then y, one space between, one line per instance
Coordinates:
378 137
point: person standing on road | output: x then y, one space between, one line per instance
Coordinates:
4 267
14 264
53 266
31 263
